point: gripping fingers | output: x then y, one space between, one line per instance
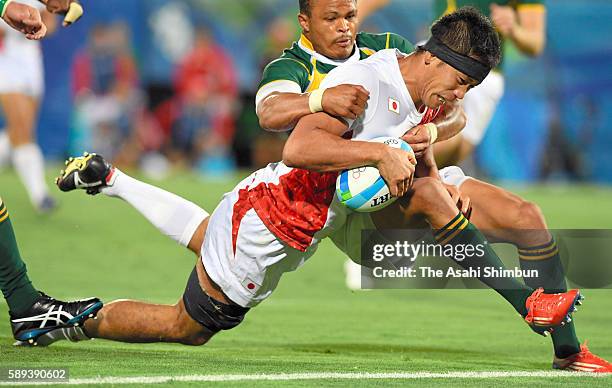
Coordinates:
407 185
394 189
465 205
355 111
401 188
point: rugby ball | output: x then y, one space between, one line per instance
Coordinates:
362 189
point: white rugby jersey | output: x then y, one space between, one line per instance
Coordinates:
390 110
299 206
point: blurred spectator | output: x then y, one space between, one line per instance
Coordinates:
564 154
203 126
109 109
280 33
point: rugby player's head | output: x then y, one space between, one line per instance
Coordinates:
464 39
468 32
330 25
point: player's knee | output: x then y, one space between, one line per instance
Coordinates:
428 191
192 337
528 215
187 331
195 339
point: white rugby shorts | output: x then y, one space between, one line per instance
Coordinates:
250 274
22 74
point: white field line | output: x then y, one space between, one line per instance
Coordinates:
312 376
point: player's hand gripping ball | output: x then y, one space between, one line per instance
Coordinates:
363 189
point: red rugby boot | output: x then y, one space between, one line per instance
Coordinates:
583 361
546 311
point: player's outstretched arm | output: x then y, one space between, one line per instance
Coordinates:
23 18
281 111
71 9
526 26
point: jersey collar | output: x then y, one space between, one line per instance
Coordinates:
307 46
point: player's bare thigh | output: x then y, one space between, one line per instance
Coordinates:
208 286
21 112
195 244
501 214
193 332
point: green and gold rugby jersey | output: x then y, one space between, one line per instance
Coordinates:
443 7
301 65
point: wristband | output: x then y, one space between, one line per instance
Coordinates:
74 13
315 100
3 5
433 132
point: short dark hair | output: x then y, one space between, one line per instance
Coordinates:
305 7
468 32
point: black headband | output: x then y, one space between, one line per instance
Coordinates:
467 65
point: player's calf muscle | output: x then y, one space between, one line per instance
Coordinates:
133 321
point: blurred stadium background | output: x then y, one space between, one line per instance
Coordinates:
120 82
128 79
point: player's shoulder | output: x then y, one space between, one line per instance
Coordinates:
382 41
294 56
368 72
293 65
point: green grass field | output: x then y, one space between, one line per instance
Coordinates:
312 324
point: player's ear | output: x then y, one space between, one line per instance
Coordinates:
304 21
429 58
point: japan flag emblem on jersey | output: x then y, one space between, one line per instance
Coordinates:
394 105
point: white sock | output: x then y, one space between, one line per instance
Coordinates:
174 216
5 148
30 166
